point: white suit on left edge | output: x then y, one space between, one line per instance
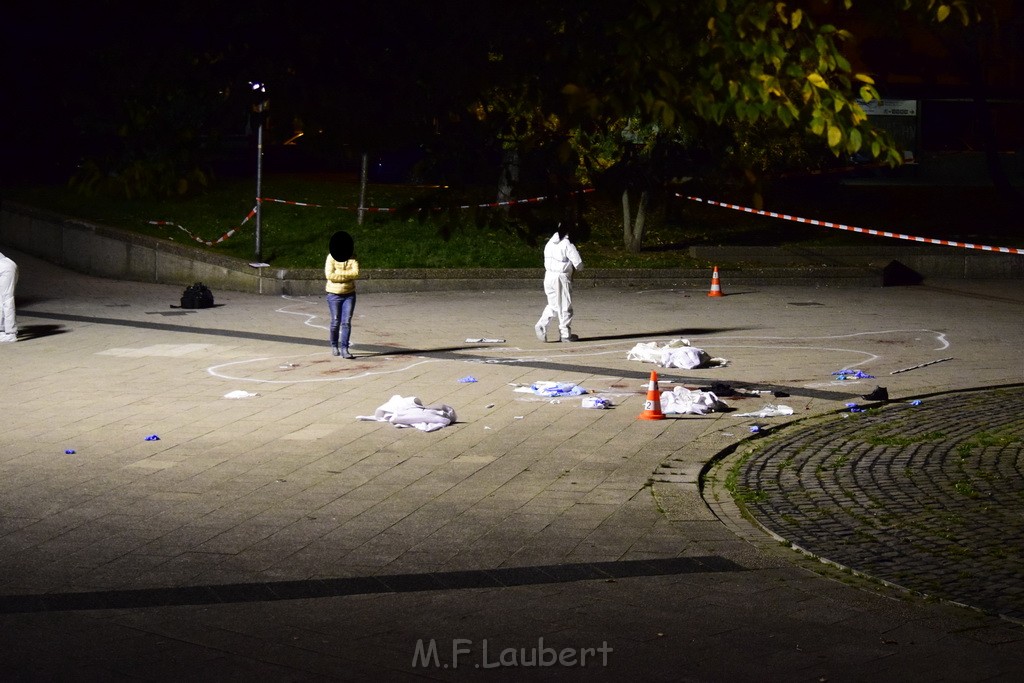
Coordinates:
8 279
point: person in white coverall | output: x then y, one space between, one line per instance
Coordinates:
8 279
561 260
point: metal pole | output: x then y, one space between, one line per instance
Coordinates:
259 91
362 189
259 191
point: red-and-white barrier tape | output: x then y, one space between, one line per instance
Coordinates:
368 209
866 231
379 209
220 239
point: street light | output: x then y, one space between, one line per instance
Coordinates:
259 106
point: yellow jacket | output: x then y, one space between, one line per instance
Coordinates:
341 275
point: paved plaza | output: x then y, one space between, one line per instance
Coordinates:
154 527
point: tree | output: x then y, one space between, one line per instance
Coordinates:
681 69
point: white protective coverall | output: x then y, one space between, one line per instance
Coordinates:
8 279
561 260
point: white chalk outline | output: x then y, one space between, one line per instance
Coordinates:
215 370
583 350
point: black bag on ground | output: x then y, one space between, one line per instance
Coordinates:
197 296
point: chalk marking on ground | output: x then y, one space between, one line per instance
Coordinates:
217 371
584 350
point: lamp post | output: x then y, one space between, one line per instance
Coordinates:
260 104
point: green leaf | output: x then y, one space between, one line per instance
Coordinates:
784 115
855 141
817 81
835 137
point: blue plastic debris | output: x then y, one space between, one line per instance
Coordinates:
856 374
854 408
69 451
754 429
152 437
552 389
468 379
915 402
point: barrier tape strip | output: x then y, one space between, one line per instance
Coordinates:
378 209
866 231
369 209
220 239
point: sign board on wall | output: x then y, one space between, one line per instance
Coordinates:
889 107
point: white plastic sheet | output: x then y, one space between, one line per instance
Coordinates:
676 353
239 393
410 412
682 401
553 389
768 411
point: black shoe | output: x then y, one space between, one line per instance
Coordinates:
879 394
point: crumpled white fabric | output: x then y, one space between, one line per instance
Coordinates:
673 354
768 411
239 393
553 389
681 400
410 412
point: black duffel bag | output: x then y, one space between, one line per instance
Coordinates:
197 296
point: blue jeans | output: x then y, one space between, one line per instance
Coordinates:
341 307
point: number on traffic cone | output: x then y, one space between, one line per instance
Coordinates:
652 406
716 286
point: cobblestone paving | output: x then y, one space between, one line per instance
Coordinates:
929 497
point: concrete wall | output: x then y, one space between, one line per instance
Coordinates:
933 261
108 252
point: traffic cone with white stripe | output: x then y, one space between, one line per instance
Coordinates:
716 286
652 406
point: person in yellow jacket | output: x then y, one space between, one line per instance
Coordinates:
341 271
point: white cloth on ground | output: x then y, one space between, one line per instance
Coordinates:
681 400
674 354
769 411
410 412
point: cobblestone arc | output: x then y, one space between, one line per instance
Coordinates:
929 497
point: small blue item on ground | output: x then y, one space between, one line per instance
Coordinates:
855 374
552 389
152 437
468 379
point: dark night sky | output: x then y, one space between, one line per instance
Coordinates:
358 59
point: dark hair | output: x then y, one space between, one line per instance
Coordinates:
342 246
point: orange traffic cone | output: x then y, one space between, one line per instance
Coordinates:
652 406
716 286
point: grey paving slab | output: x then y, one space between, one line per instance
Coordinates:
256 536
